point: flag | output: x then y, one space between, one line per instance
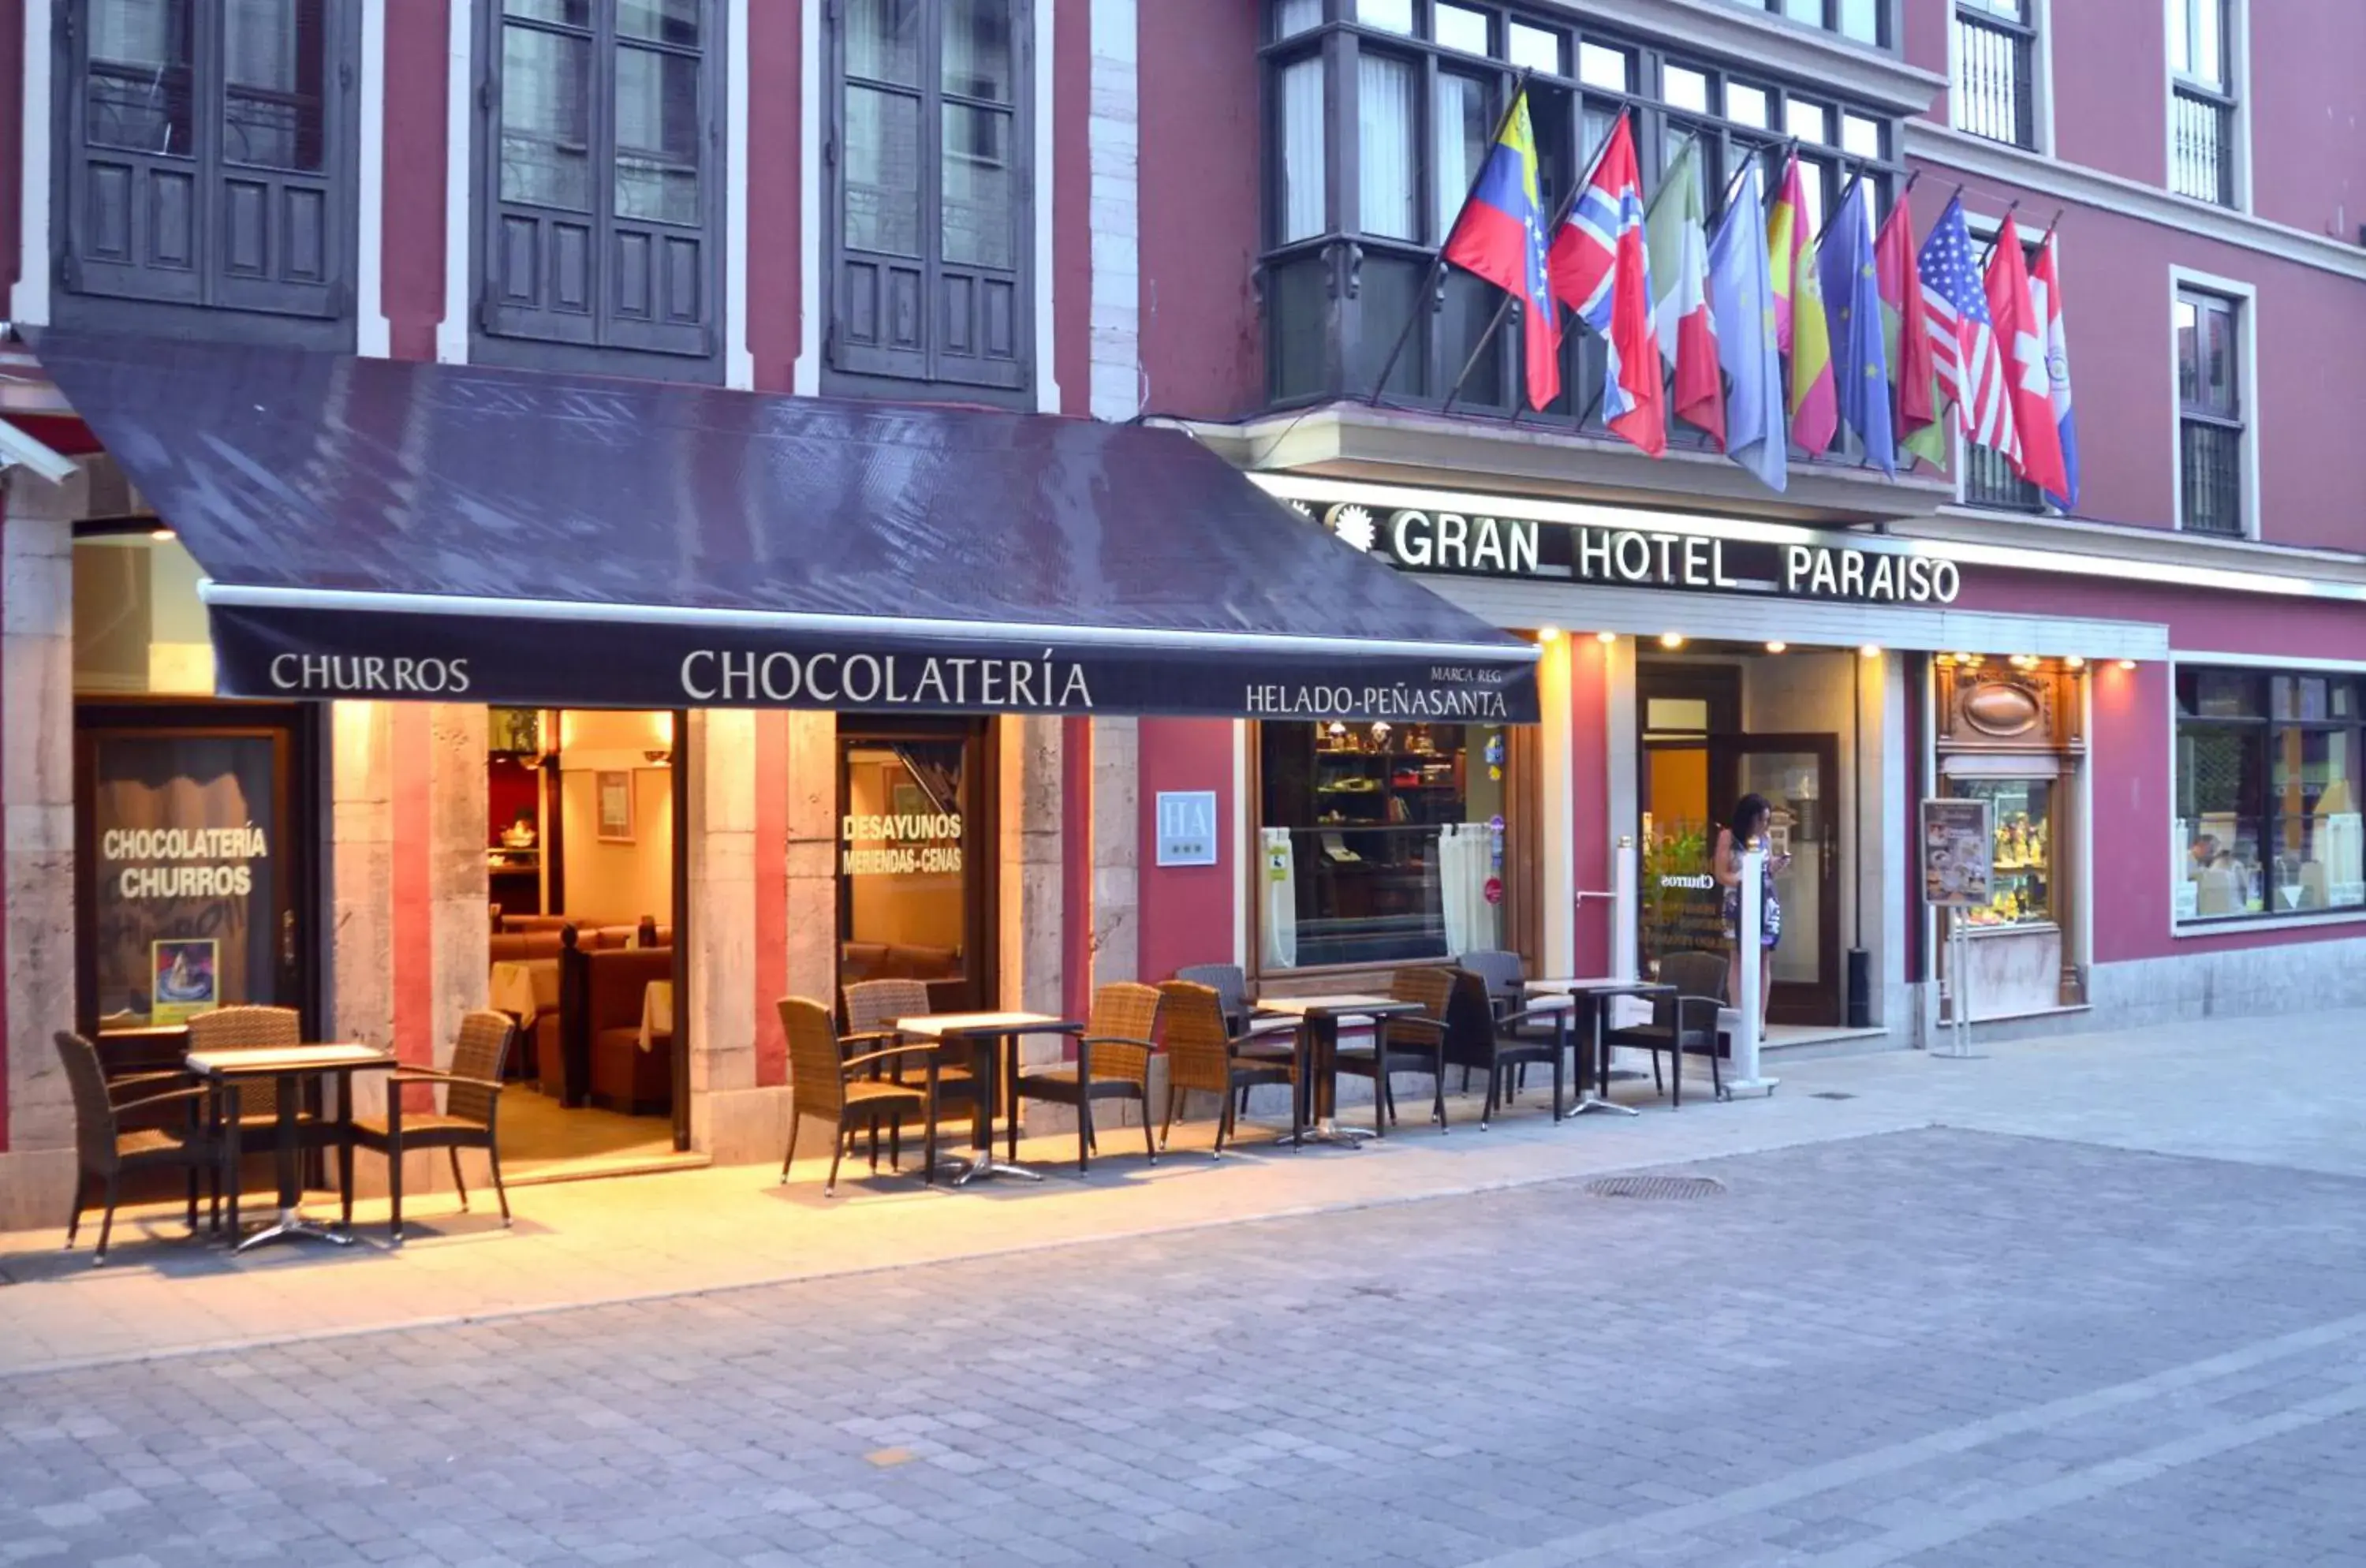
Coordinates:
1784 221
2020 336
1814 413
2046 298
1964 348
1906 333
1678 246
1845 273
1742 297
1500 235
1599 268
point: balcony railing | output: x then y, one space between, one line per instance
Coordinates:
2210 459
1989 482
2202 164
1992 93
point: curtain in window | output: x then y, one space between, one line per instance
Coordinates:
1462 862
1293 17
1385 114
1462 125
1304 144
1278 880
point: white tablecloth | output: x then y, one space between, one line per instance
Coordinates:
656 1014
525 987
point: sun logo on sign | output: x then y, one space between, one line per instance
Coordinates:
1354 524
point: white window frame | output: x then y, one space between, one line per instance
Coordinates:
2245 298
2041 71
2236 46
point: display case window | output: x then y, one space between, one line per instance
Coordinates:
2022 885
2268 812
1382 842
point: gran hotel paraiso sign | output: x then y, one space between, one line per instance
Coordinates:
1476 544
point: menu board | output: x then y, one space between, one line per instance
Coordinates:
1958 854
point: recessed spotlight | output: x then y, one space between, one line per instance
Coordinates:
1547 634
1870 650
161 534
1672 640
1776 646
2074 663
2127 663
1605 638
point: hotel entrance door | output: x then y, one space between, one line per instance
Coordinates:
1689 786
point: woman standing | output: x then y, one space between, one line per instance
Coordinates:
1751 816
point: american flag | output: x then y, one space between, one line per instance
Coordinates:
1963 346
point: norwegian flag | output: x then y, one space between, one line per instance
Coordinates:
1600 269
1964 348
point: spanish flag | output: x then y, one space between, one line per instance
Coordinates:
1800 325
1500 235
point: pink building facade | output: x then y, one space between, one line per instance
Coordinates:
1219 218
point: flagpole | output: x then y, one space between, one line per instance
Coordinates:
1438 262
1560 216
1842 205
1988 255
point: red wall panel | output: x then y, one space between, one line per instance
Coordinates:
775 148
411 248
1188 913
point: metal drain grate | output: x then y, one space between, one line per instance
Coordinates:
1657 1187
1831 1094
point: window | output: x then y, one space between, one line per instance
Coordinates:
1985 478
2201 101
930 195
599 205
2266 794
209 156
1993 93
1380 114
1381 842
916 858
2209 414
1864 21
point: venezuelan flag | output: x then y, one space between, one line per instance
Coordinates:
1500 236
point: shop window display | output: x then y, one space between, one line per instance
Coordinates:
1381 842
2268 813
2022 881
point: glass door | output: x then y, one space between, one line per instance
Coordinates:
194 868
916 859
1797 774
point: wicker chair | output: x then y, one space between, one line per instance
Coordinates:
1203 1052
1684 1024
1477 1037
104 1150
1412 1042
259 1028
872 1008
1265 1039
827 1082
469 1120
1112 1063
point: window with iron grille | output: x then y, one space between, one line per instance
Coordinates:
1994 92
2210 414
1987 479
1378 113
209 165
931 192
599 202
2201 101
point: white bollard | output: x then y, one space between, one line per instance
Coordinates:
1743 1078
1625 922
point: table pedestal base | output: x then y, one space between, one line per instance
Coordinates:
984 1167
291 1225
1327 1131
1591 1101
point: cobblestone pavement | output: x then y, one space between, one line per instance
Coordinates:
1932 1347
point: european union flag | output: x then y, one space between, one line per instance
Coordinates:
1860 355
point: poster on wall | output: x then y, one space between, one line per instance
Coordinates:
1958 854
184 875
185 978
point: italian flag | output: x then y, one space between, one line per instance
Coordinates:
1677 240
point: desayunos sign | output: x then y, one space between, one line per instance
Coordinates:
1486 545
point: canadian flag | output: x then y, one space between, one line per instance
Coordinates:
2022 334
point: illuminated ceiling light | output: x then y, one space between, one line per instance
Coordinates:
161 534
1870 650
1971 659
1605 638
1547 634
1776 646
2074 663
1672 640
2127 663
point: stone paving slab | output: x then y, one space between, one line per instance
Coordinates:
1929 1347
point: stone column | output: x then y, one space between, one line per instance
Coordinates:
812 850
360 851
36 818
730 1119
1030 890
460 897
1117 850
